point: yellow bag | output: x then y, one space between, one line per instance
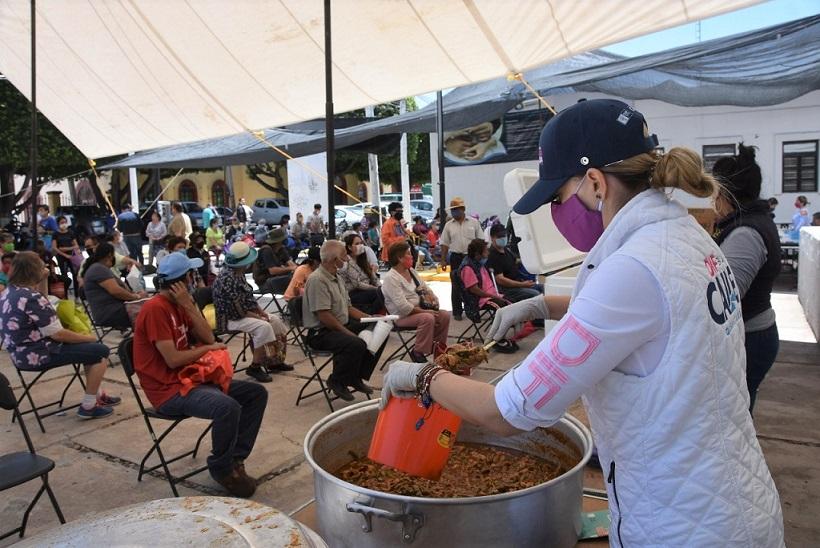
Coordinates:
73 318
210 315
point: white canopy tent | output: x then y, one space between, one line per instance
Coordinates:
125 75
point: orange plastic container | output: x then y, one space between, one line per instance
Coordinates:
422 451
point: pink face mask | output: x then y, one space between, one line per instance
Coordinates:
581 226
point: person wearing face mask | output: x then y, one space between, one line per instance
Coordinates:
506 268
63 246
238 310
105 292
36 340
198 251
455 237
652 337
748 237
359 278
393 228
163 346
273 269
407 296
333 325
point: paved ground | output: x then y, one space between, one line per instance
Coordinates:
97 461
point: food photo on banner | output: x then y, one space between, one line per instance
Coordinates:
509 139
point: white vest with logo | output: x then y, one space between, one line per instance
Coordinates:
678 447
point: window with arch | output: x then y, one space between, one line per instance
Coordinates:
187 191
219 193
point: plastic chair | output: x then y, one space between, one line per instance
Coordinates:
125 351
23 466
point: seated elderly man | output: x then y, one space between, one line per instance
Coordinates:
273 269
238 310
333 324
162 348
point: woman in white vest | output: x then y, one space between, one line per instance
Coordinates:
652 338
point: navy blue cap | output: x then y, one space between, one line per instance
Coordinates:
588 134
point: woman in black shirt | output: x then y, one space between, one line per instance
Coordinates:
63 246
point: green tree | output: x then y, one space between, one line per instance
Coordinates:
57 156
355 163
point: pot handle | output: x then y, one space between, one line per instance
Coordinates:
411 522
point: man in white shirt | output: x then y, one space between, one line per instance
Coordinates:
316 226
456 236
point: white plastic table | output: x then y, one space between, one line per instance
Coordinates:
185 521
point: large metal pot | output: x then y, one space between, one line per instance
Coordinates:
548 514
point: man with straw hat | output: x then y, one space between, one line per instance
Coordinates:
238 310
455 238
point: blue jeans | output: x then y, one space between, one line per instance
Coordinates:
516 294
236 417
84 353
761 351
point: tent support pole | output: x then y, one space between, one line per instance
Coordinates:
329 135
35 190
440 156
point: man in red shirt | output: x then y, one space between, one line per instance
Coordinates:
162 349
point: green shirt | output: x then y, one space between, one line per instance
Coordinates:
324 291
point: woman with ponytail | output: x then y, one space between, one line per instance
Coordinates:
652 338
748 238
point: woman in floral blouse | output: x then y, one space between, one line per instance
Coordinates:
237 310
36 340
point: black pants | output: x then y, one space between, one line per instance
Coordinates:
351 358
761 351
369 301
455 293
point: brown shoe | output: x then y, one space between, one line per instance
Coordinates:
238 483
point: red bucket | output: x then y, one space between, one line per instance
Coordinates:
402 442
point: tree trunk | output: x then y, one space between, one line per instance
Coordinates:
7 191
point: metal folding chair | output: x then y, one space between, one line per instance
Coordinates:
477 325
404 344
125 351
59 407
23 466
295 308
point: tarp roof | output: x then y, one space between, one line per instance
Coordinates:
124 75
763 67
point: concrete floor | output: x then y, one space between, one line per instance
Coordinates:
97 460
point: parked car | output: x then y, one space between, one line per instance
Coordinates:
270 209
84 220
223 215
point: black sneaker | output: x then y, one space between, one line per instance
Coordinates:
361 386
418 357
457 317
274 367
339 389
258 372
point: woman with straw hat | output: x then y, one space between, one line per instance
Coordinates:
237 310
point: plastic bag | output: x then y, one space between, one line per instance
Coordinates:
73 317
210 315
135 280
77 260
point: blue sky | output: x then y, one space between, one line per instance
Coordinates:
759 16
756 17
